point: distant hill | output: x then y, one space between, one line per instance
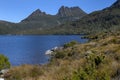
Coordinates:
5 27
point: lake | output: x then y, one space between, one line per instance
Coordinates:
31 49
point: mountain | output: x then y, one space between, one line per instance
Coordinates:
106 20
70 20
37 15
38 21
64 14
70 13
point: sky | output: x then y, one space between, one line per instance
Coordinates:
17 10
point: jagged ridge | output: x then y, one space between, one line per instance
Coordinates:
70 12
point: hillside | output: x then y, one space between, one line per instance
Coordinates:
5 27
103 21
106 20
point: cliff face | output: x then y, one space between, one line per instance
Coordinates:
70 12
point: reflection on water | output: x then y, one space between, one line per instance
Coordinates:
31 49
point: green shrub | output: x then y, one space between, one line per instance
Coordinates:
95 59
4 63
80 75
90 69
70 44
59 55
103 75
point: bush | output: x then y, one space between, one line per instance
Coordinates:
70 44
4 63
90 70
59 55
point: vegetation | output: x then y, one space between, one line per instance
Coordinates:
25 71
4 63
106 20
98 59
70 44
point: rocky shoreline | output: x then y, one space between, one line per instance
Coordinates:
49 52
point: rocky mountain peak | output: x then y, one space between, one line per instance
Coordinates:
67 14
38 12
70 11
35 16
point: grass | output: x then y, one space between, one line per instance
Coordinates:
98 59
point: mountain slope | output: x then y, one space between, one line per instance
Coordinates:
105 20
116 4
6 27
39 19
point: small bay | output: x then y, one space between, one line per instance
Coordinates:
30 49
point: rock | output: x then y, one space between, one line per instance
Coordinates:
55 48
70 11
37 12
4 71
2 79
48 52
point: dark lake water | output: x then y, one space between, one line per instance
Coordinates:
31 49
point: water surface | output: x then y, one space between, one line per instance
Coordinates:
31 49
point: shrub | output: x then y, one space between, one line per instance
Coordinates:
80 75
59 55
70 44
4 63
90 69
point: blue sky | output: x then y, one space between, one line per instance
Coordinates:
16 10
